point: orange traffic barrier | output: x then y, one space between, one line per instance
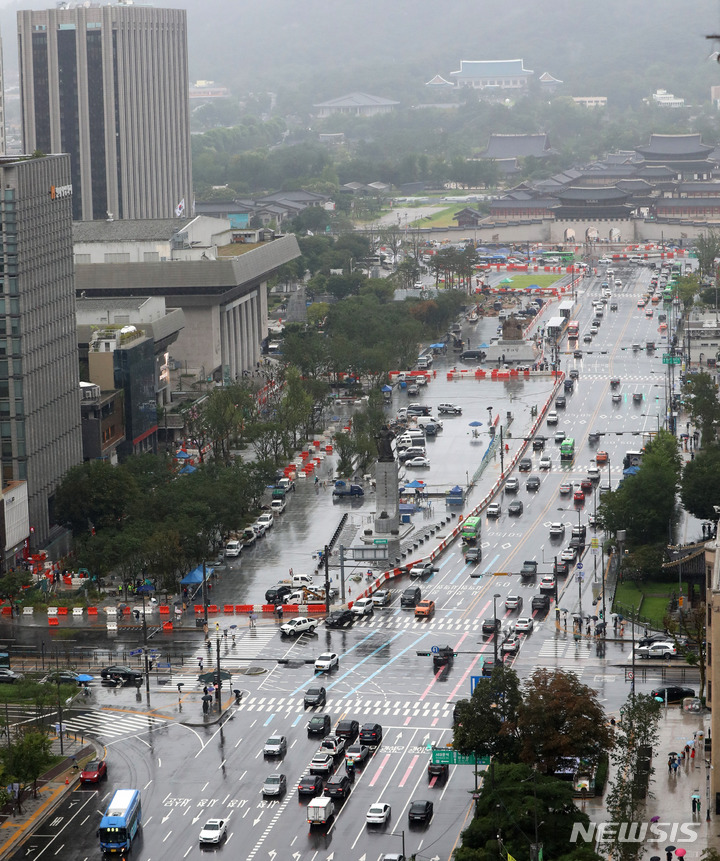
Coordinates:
53 621
212 608
248 608
167 626
62 611
92 611
164 610
228 608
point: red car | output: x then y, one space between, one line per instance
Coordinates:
579 496
94 771
586 484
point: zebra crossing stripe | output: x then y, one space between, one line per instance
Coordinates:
112 724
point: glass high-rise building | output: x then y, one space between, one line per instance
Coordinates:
109 86
40 432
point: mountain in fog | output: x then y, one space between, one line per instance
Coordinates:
324 49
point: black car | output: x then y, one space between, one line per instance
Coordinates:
319 725
488 666
561 401
539 441
568 385
311 785
277 594
491 625
420 811
119 673
338 786
515 508
525 464
574 374
512 485
615 383
533 483
347 729
672 693
540 602
445 655
577 354
411 597
63 677
340 619
314 696
560 568
473 555
371 734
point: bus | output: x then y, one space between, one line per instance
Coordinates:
121 821
471 529
567 449
573 330
565 257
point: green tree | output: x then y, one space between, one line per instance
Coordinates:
707 247
487 723
700 484
24 760
515 804
701 400
94 495
560 718
295 408
689 633
636 738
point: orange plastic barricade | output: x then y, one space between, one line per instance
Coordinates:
7 611
212 608
167 626
199 609
248 608
228 608
62 611
164 610
92 611
53 620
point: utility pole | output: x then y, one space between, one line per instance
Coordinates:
326 562
218 686
342 573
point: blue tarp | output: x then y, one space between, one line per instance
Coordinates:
192 578
631 470
187 470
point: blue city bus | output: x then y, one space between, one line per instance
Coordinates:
121 821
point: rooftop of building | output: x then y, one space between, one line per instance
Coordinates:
678 145
491 69
357 100
517 146
129 230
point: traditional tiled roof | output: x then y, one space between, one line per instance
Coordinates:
581 193
439 81
517 146
491 69
357 100
680 146
547 78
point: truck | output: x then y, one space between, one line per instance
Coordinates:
320 811
529 568
349 490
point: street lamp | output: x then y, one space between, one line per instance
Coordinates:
495 635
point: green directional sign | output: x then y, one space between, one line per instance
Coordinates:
453 757
380 541
671 360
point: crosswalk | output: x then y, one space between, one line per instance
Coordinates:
112 724
370 707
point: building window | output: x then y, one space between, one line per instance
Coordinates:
82 259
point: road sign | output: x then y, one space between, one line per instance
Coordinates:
594 543
435 649
134 652
579 566
475 680
669 359
453 757
380 541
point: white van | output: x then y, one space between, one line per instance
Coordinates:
302 580
424 421
424 361
233 548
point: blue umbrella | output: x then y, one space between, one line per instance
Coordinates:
416 483
475 424
84 677
436 346
182 455
483 347
386 389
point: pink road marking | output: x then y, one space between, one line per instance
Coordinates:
409 769
435 677
433 781
484 610
466 673
435 720
380 768
407 720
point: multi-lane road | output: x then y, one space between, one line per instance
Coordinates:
188 773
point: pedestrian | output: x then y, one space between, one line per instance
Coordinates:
252 620
249 620
675 767
200 664
670 763
694 805
205 690
317 481
75 764
692 754
233 640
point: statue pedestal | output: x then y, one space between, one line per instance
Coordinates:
387 511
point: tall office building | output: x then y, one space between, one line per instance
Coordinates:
40 432
109 86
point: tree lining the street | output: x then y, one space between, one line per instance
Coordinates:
700 483
700 396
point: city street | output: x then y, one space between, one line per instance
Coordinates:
188 772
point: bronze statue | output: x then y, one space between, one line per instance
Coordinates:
384 445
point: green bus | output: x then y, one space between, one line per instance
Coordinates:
471 529
565 257
567 449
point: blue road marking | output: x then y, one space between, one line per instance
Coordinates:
269 720
357 645
387 664
298 719
491 563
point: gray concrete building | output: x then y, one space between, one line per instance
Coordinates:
40 434
224 303
109 85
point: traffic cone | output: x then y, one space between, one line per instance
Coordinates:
67 781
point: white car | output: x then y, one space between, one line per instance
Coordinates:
511 645
449 409
568 554
326 662
657 650
604 261
557 530
298 625
523 626
381 598
545 462
493 510
233 548
276 745
266 519
593 473
363 607
547 584
378 814
417 462
277 506
213 831
422 569
552 417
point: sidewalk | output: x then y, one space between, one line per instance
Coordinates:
52 789
669 801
